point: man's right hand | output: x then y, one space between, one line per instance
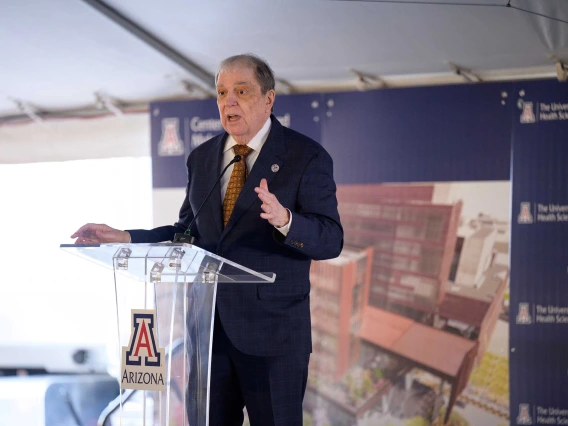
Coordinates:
93 233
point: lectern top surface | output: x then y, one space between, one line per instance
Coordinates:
169 262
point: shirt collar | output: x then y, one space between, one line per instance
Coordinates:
256 142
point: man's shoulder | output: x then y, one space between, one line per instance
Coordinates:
297 140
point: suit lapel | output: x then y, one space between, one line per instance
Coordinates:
271 153
214 169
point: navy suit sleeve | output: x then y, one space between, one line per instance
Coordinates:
166 233
316 229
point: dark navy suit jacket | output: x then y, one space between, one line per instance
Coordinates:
273 318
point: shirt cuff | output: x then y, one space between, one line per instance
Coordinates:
286 228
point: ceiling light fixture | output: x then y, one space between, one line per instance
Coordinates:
467 74
366 81
561 70
284 86
196 90
27 109
105 101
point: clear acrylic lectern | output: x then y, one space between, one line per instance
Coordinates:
178 282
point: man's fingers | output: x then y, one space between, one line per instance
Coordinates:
80 230
265 198
93 233
81 240
266 208
264 194
88 229
271 207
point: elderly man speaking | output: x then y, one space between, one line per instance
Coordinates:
276 211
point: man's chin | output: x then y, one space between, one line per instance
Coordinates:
238 134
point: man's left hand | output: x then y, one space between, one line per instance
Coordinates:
272 209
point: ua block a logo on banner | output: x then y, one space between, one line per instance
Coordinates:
525 215
524 417
170 143
523 317
527 116
143 365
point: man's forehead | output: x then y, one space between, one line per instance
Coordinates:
238 73
236 83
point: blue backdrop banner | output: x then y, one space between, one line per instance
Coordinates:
539 255
450 300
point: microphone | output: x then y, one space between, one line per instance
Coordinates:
186 237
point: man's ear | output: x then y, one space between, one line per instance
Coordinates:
271 95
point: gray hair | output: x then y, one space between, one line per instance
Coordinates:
262 71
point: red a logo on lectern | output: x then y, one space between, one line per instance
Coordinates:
524 417
143 364
143 350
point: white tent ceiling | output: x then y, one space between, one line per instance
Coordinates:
56 54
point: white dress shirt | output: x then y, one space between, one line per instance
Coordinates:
255 144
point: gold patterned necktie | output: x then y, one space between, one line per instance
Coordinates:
236 181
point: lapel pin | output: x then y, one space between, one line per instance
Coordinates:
275 168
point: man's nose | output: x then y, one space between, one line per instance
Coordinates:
231 99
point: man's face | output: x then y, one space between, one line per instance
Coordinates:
242 106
